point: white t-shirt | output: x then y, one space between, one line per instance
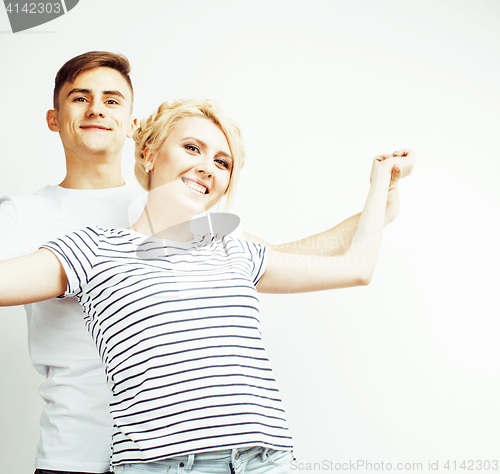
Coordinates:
177 325
75 426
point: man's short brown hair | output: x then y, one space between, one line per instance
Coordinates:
91 60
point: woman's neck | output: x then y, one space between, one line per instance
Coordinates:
164 222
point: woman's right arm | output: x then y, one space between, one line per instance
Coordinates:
35 277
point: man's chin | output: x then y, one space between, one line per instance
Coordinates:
99 149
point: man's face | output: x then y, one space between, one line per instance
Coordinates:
95 114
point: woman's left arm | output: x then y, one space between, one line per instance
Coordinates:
337 240
293 273
35 277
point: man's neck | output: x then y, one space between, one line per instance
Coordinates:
79 182
87 174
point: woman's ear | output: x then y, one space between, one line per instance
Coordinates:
149 158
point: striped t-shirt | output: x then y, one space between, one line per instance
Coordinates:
177 326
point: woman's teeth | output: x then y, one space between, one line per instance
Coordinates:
195 186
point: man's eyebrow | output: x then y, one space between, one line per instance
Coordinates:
77 90
204 145
117 93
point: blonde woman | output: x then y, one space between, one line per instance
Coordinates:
178 330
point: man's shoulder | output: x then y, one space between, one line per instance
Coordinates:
30 220
54 198
46 192
18 222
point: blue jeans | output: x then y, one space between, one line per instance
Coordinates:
230 461
45 471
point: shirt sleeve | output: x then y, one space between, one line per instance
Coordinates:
77 253
258 258
11 230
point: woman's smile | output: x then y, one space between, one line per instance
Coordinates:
197 153
196 186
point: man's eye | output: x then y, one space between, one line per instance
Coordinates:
79 99
112 102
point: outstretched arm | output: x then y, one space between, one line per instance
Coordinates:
337 240
35 277
334 241
287 273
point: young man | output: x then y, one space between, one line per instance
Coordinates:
93 114
93 99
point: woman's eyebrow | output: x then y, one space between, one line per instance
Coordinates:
204 145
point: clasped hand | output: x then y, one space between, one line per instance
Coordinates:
403 162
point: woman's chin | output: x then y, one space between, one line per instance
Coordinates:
189 209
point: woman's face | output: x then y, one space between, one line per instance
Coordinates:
193 166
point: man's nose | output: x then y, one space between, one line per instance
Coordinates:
95 109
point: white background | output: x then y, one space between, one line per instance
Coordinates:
404 370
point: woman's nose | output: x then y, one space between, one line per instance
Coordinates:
205 167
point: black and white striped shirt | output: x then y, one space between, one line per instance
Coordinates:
177 326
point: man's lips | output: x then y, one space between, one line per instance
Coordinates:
94 127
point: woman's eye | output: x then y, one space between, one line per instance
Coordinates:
192 148
222 163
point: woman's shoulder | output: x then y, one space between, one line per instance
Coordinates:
240 245
112 232
98 236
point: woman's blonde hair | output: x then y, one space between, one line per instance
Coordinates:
154 130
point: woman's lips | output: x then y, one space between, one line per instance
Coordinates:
200 188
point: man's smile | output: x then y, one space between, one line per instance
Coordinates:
94 127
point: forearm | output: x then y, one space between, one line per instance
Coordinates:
299 273
367 238
331 242
337 240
